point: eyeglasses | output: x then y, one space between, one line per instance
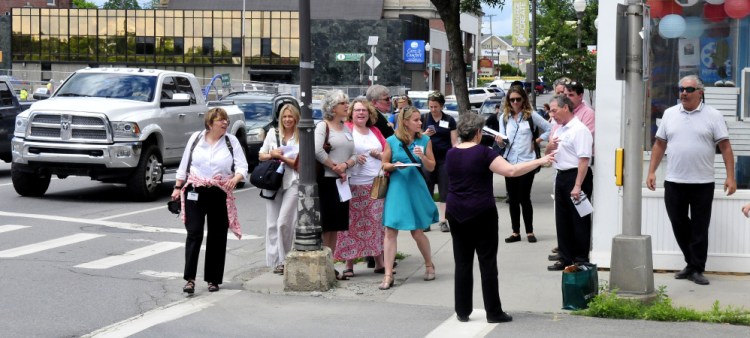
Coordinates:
360 110
515 99
386 99
435 94
687 89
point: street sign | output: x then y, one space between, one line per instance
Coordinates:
349 56
225 79
370 77
373 62
433 65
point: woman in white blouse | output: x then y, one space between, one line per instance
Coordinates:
281 210
212 165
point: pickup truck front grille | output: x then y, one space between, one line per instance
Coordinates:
69 128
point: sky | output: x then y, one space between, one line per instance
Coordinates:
501 22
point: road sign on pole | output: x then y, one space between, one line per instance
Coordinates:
373 62
349 56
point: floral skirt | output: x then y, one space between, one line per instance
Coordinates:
366 231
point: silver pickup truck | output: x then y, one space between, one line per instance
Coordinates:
115 125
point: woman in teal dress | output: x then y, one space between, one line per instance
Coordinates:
408 204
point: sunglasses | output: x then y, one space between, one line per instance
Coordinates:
515 99
687 89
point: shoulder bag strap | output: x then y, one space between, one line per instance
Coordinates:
192 147
413 160
534 135
231 149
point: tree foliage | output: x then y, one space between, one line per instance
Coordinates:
121 4
84 4
450 12
557 51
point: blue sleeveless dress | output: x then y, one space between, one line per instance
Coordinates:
408 204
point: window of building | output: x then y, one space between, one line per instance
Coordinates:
208 46
236 47
145 45
50 2
265 47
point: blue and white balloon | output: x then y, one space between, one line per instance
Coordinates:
671 26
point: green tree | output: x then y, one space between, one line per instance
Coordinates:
557 36
450 12
150 4
84 4
121 4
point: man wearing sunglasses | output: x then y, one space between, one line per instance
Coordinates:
380 98
692 130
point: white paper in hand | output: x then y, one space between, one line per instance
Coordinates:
583 205
493 132
345 192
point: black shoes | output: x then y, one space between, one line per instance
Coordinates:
555 250
370 262
554 257
462 319
444 227
502 318
697 278
531 238
513 238
684 273
558 266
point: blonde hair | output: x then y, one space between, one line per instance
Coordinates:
295 114
402 132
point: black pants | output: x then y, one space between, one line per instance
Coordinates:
691 232
519 197
476 234
211 205
573 231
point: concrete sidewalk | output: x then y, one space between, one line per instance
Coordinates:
525 283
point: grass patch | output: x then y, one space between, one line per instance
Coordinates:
607 305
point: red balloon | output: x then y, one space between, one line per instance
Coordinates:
737 9
661 8
714 13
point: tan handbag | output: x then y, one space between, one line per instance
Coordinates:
379 186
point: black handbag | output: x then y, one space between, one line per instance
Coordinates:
266 175
174 206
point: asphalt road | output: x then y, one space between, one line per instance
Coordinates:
85 256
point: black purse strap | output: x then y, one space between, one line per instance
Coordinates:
413 160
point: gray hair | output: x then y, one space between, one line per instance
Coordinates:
698 82
468 126
375 92
561 101
333 98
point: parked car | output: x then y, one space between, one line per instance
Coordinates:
10 107
115 125
479 94
488 106
261 113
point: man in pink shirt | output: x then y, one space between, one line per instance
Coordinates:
581 110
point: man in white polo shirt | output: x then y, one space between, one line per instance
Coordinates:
692 130
573 143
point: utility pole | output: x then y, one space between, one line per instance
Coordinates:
309 267
632 271
533 55
492 43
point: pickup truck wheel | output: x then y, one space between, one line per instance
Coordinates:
29 184
144 183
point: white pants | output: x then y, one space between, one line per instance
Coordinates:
281 219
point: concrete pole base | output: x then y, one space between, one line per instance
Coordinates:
632 267
309 270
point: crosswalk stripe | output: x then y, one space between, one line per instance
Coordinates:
476 327
133 255
46 245
161 274
163 314
11 227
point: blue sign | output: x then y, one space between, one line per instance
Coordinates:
414 51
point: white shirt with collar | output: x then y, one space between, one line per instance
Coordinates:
210 160
691 138
574 142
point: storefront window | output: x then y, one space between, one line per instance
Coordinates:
712 42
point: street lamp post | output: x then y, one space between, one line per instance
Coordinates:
580 7
471 62
427 49
242 54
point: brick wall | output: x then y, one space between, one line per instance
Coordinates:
6 5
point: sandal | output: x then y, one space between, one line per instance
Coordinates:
340 276
213 287
348 273
387 282
189 287
279 269
428 276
